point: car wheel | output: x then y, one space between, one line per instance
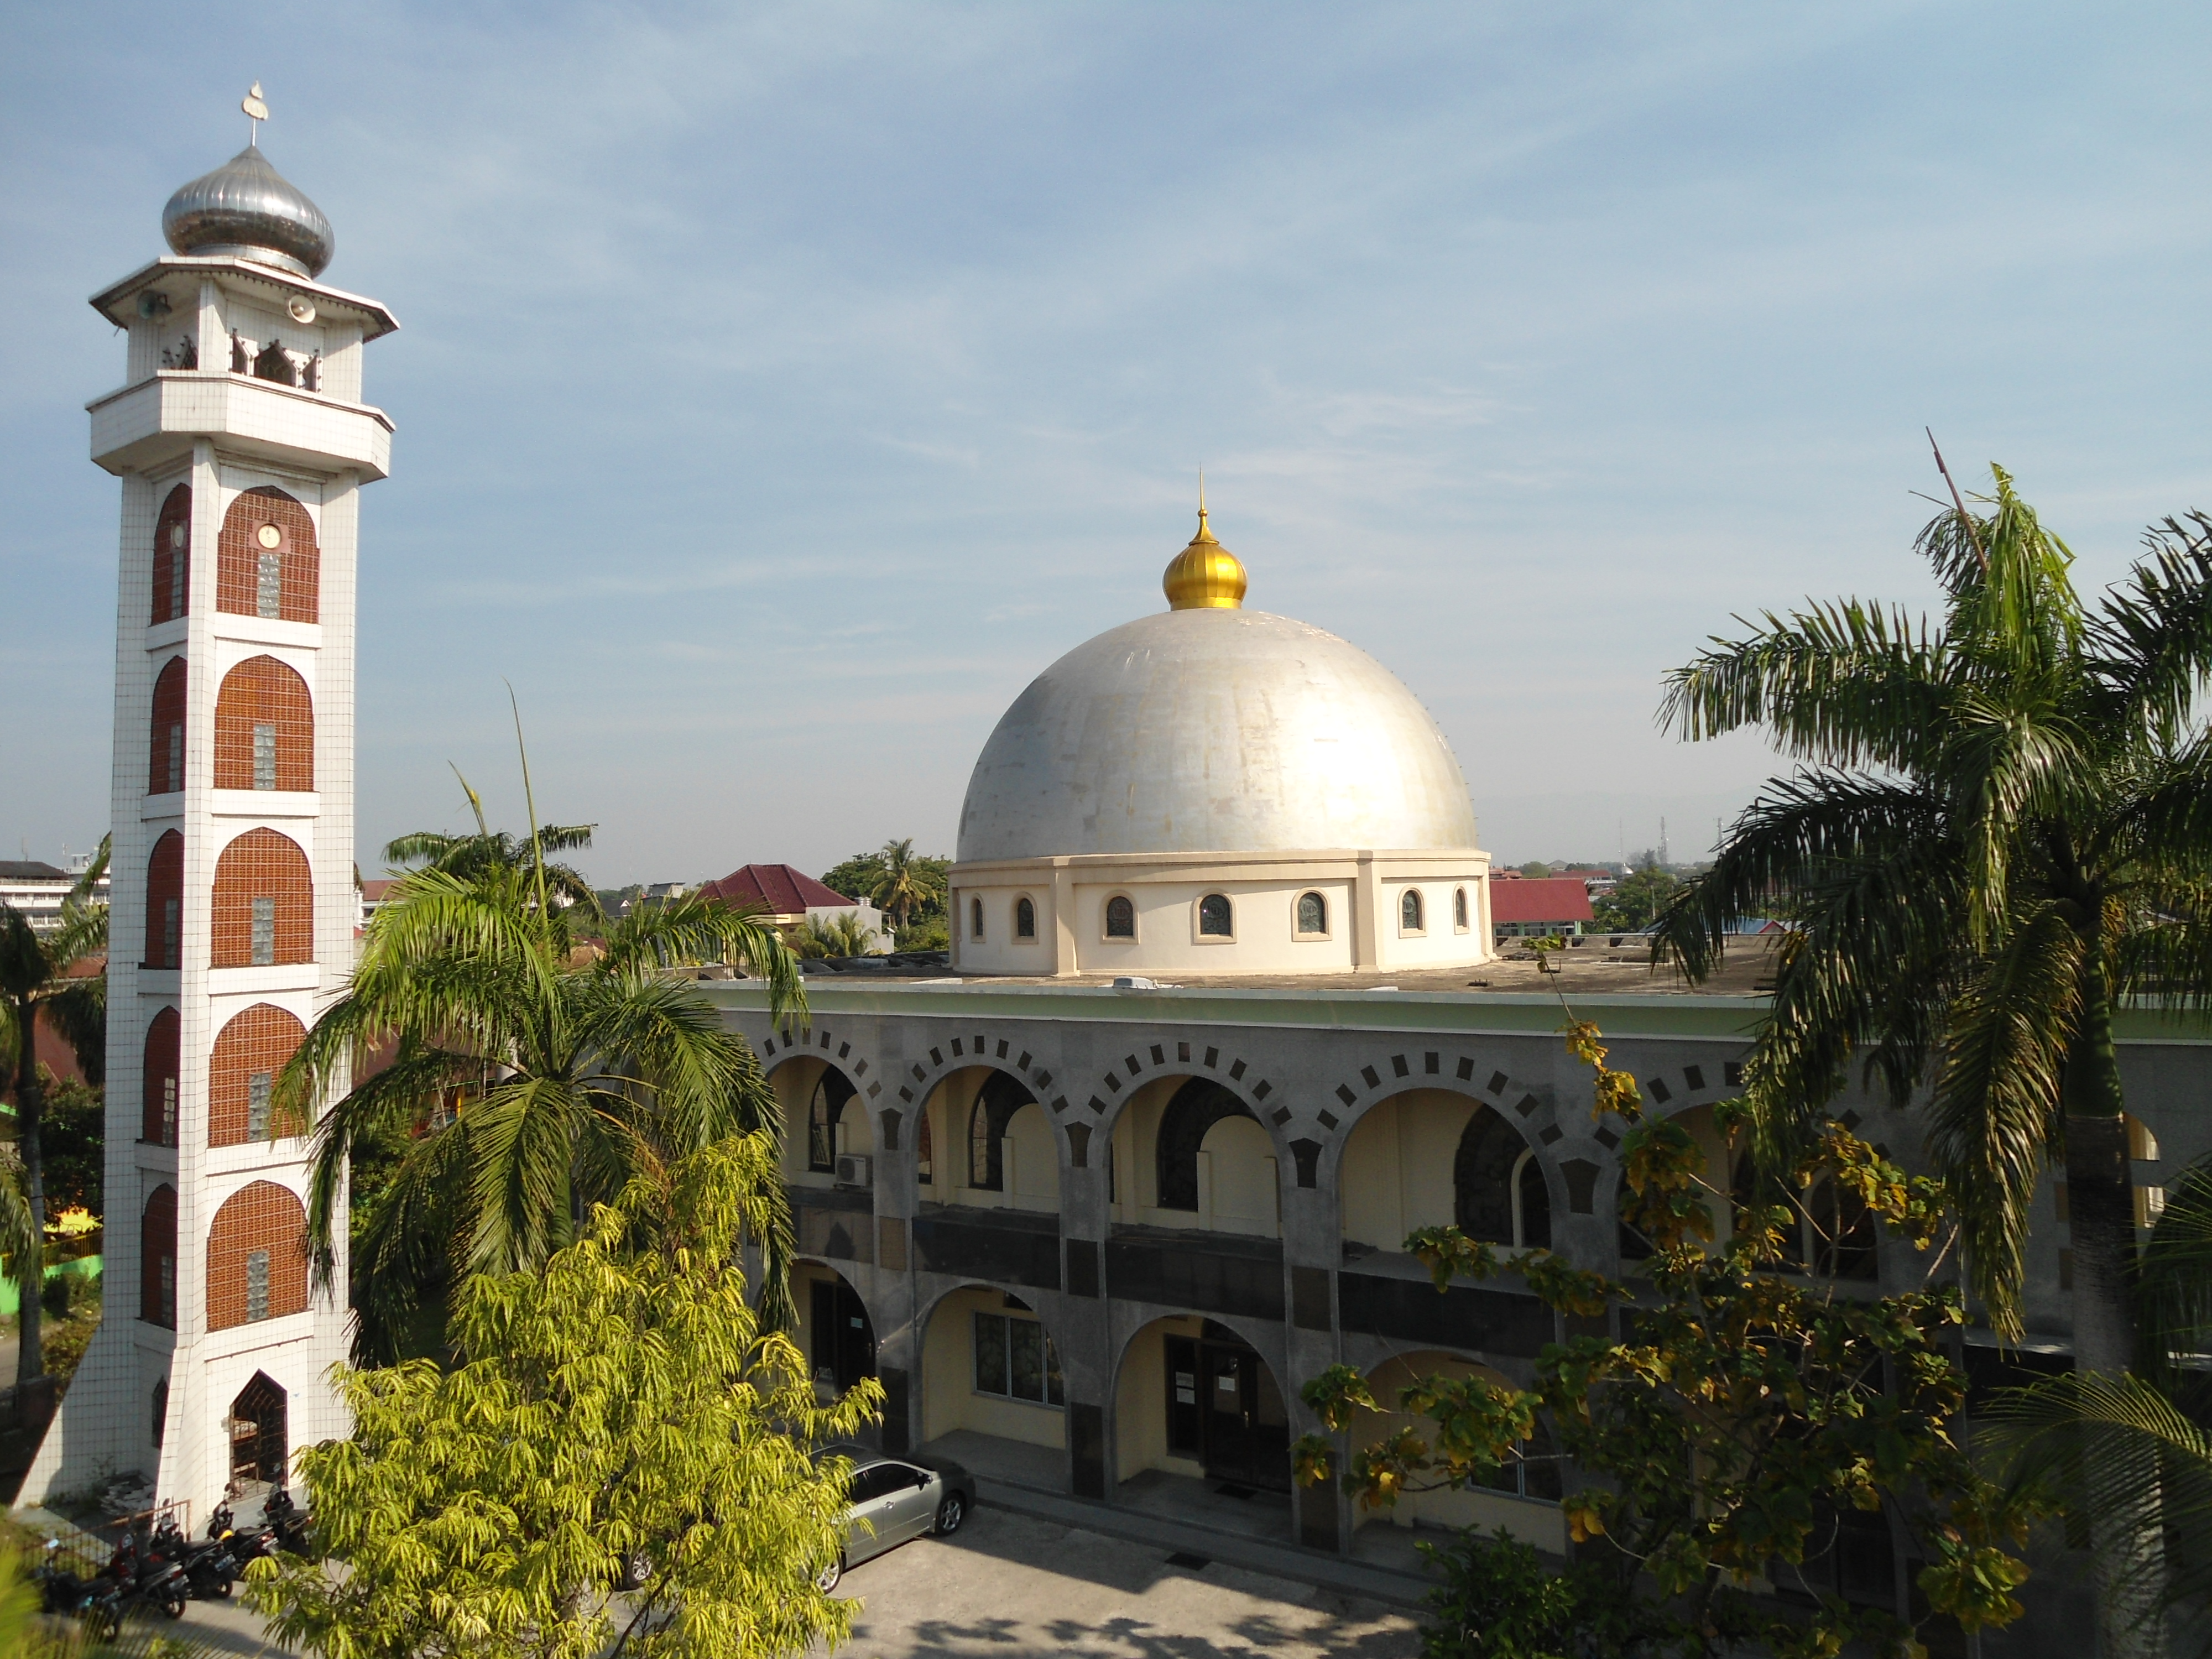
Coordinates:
637 1570
827 1584
950 1514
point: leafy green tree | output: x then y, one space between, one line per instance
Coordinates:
35 981
530 1073
1740 1410
622 1405
933 934
73 1143
1635 901
897 881
1999 831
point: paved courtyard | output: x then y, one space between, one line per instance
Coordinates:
1008 1585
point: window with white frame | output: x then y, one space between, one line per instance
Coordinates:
1313 914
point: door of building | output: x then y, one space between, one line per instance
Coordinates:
257 1435
1224 1406
844 1344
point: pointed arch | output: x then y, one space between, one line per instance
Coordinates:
264 728
165 732
267 562
165 902
163 1063
172 557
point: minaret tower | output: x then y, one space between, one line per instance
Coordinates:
242 442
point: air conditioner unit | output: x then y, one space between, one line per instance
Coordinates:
855 1169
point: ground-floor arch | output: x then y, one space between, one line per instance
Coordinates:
1522 1498
835 1331
992 1393
1194 1398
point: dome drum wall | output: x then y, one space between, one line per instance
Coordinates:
1214 915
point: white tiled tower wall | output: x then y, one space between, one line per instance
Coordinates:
222 435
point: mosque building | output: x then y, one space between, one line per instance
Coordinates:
1225 1019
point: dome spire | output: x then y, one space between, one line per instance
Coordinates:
1205 575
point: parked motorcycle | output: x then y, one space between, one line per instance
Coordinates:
97 1600
209 1567
152 1580
288 1520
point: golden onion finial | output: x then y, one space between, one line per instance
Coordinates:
1205 575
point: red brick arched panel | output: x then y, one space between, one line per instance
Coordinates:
165 902
264 728
257 1257
173 560
157 1259
266 562
264 903
249 1051
164 1054
165 735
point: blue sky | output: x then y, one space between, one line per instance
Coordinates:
780 388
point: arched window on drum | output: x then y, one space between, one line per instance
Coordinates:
1409 912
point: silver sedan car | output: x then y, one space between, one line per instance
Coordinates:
892 1499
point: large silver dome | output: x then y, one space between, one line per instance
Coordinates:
246 209
1206 731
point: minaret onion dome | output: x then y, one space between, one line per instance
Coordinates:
1205 575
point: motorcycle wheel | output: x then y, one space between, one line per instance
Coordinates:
105 1623
173 1605
222 1587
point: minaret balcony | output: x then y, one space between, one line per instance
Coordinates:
144 426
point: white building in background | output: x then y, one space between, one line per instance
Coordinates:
38 889
242 441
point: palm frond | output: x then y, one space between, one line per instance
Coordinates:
522 1135
410 1242
2174 1280
19 1232
2153 632
2139 1471
1846 684
692 929
1995 1115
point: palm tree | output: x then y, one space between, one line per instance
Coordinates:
532 1071
842 935
2001 828
34 981
905 885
